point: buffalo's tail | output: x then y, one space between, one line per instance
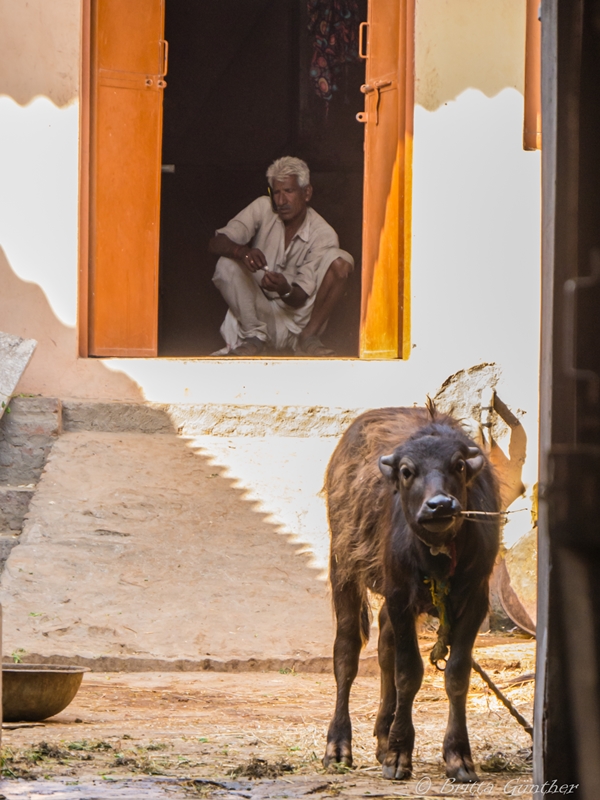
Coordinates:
365 620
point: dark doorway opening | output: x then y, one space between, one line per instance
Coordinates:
239 95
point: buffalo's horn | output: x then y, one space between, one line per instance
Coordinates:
387 465
474 464
473 451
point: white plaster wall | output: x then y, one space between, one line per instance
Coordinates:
475 270
38 200
39 84
39 143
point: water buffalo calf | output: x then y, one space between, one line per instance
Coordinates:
397 486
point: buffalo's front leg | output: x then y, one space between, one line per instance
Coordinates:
457 750
349 604
408 674
387 704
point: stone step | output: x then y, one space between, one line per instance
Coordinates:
28 429
212 419
14 504
34 423
8 540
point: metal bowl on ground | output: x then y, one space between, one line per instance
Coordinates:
33 692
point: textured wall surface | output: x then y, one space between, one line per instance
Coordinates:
39 42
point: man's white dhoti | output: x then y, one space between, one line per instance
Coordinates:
304 262
252 314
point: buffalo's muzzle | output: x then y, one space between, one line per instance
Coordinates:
439 512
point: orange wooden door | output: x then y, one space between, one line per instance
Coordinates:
532 124
128 63
384 329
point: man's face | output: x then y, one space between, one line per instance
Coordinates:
290 199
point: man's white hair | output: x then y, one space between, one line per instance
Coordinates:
286 167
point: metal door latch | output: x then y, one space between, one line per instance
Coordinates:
368 88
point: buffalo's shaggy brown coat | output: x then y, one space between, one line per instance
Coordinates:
380 542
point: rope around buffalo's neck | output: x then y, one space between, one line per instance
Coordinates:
439 592
439 654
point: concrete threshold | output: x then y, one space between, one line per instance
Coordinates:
317 666
210 419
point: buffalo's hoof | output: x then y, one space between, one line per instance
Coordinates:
464 775
461 770
398 773
337 755
396 767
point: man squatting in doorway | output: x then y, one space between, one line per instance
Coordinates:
281 272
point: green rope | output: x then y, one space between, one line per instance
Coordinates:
439 594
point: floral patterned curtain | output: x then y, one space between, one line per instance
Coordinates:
334 26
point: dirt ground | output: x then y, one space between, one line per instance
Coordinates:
259 735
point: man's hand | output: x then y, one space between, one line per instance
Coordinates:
254 259
275 282
250 257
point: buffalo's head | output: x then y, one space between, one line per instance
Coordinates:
432 472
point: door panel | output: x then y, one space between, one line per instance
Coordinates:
128 65
389 73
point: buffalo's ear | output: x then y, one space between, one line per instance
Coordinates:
388 466
474 462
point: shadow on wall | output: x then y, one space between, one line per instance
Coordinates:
39 42
145 531
25 311
467 44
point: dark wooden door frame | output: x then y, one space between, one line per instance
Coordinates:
567 718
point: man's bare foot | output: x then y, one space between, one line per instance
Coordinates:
249 347
312 346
